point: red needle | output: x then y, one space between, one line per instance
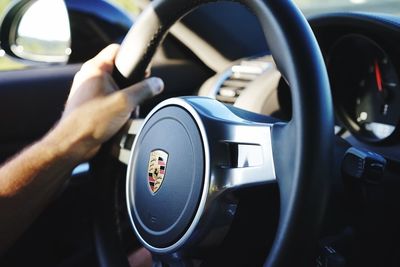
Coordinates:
378 76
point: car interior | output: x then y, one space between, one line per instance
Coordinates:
284 122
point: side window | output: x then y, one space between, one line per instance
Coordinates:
130 6
6 62
46 45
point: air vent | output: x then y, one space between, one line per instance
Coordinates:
238 77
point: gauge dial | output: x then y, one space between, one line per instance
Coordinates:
365 87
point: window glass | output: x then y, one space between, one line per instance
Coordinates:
312 7
128 5
7 63
309 7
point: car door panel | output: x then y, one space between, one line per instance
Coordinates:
31 102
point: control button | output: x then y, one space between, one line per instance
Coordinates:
364 165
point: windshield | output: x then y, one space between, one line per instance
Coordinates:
312 7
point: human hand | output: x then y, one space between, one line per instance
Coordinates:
96 109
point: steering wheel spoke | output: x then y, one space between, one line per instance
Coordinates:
243 157
284 153
191 152
122 142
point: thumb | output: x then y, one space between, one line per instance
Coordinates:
141 91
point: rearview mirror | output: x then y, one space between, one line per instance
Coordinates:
38 30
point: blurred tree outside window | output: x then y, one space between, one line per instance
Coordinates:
129 5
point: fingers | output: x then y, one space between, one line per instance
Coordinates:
104 60
146 89
148 71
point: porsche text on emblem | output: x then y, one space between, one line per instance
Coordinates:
156 169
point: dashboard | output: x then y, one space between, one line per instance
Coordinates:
362 55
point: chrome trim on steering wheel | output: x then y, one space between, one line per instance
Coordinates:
237 153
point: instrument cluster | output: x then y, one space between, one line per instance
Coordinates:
362 55
365 87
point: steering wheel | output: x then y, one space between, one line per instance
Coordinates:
191 153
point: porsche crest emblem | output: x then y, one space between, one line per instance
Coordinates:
156 169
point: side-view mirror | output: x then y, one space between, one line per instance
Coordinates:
61 31
38 31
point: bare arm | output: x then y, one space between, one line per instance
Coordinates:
94 112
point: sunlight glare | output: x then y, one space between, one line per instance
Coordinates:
46 20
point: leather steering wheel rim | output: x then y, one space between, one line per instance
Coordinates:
307 140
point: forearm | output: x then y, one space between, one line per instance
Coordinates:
30 180
94 112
